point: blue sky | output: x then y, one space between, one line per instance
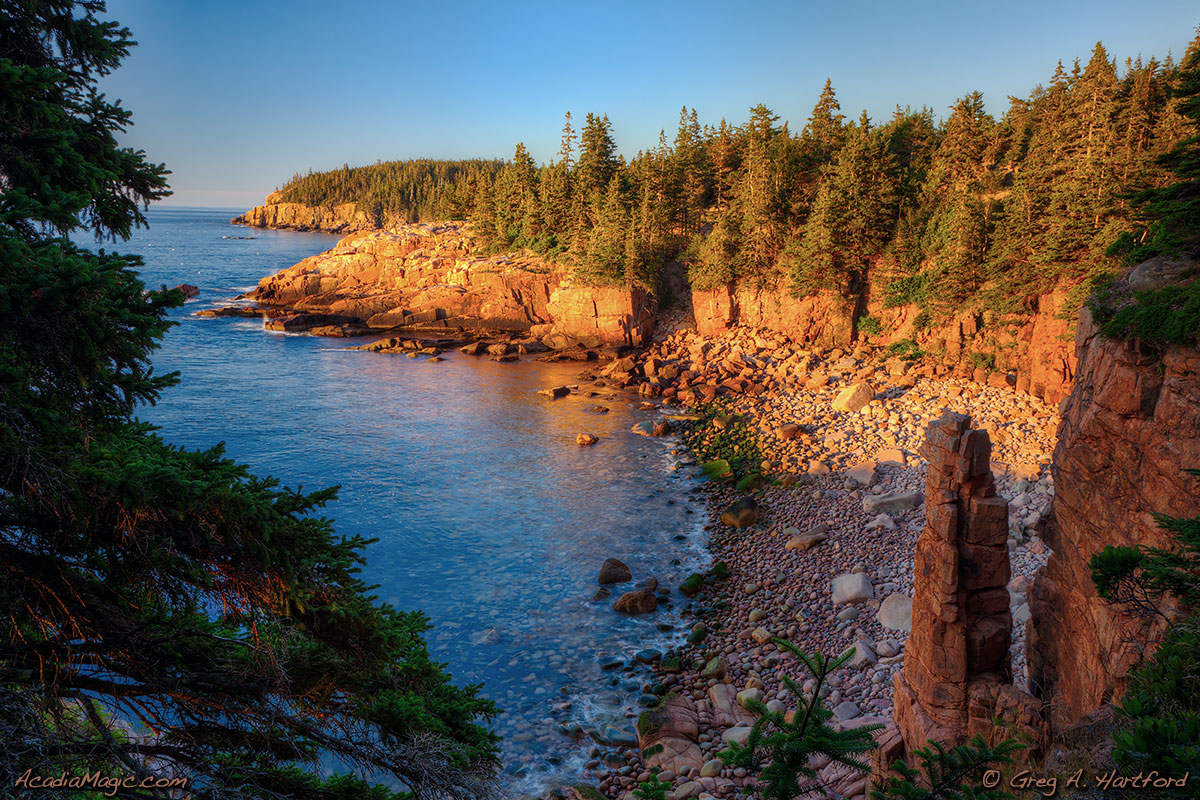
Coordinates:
235 97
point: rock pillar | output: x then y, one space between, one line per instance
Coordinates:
957 675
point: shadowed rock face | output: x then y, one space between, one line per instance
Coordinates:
1128 430
957 675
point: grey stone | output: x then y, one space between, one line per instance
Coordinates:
845 710
892 503
851 588
895 613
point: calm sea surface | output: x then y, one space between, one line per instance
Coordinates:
489 517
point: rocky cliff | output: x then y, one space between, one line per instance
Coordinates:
1036 351
273 213
434 277
1129 429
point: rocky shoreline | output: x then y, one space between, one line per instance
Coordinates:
827 439
826 559
835 434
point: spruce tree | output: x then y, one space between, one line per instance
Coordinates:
1170 215
852 219
605 263
166 612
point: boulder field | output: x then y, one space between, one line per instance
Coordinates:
821 557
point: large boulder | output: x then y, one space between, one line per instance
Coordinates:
895 613
863 473
668 736
724 709
893 503
854 587
854 397
614 571
741 514
649 427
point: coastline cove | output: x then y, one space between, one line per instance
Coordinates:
490 518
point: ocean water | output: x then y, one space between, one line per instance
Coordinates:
489 518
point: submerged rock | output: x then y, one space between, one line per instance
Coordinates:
638 601
614 571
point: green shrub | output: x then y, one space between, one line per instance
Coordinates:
923 320
653 789
1170 315
982 360
906 349
1160 713
906 290
871 326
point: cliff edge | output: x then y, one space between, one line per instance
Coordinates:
1129 429
274 213
436 277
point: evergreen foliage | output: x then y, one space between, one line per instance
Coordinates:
1170 217
1170 214
164 610
1161 708
653 789
1166 316
954 774
973 213
786 746
417 190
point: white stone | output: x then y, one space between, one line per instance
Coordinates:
895 613
882 522
851 588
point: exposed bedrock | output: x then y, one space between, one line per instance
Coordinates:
1128 431
433 277
343 218
1033 352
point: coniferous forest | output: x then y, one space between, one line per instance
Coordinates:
969 211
